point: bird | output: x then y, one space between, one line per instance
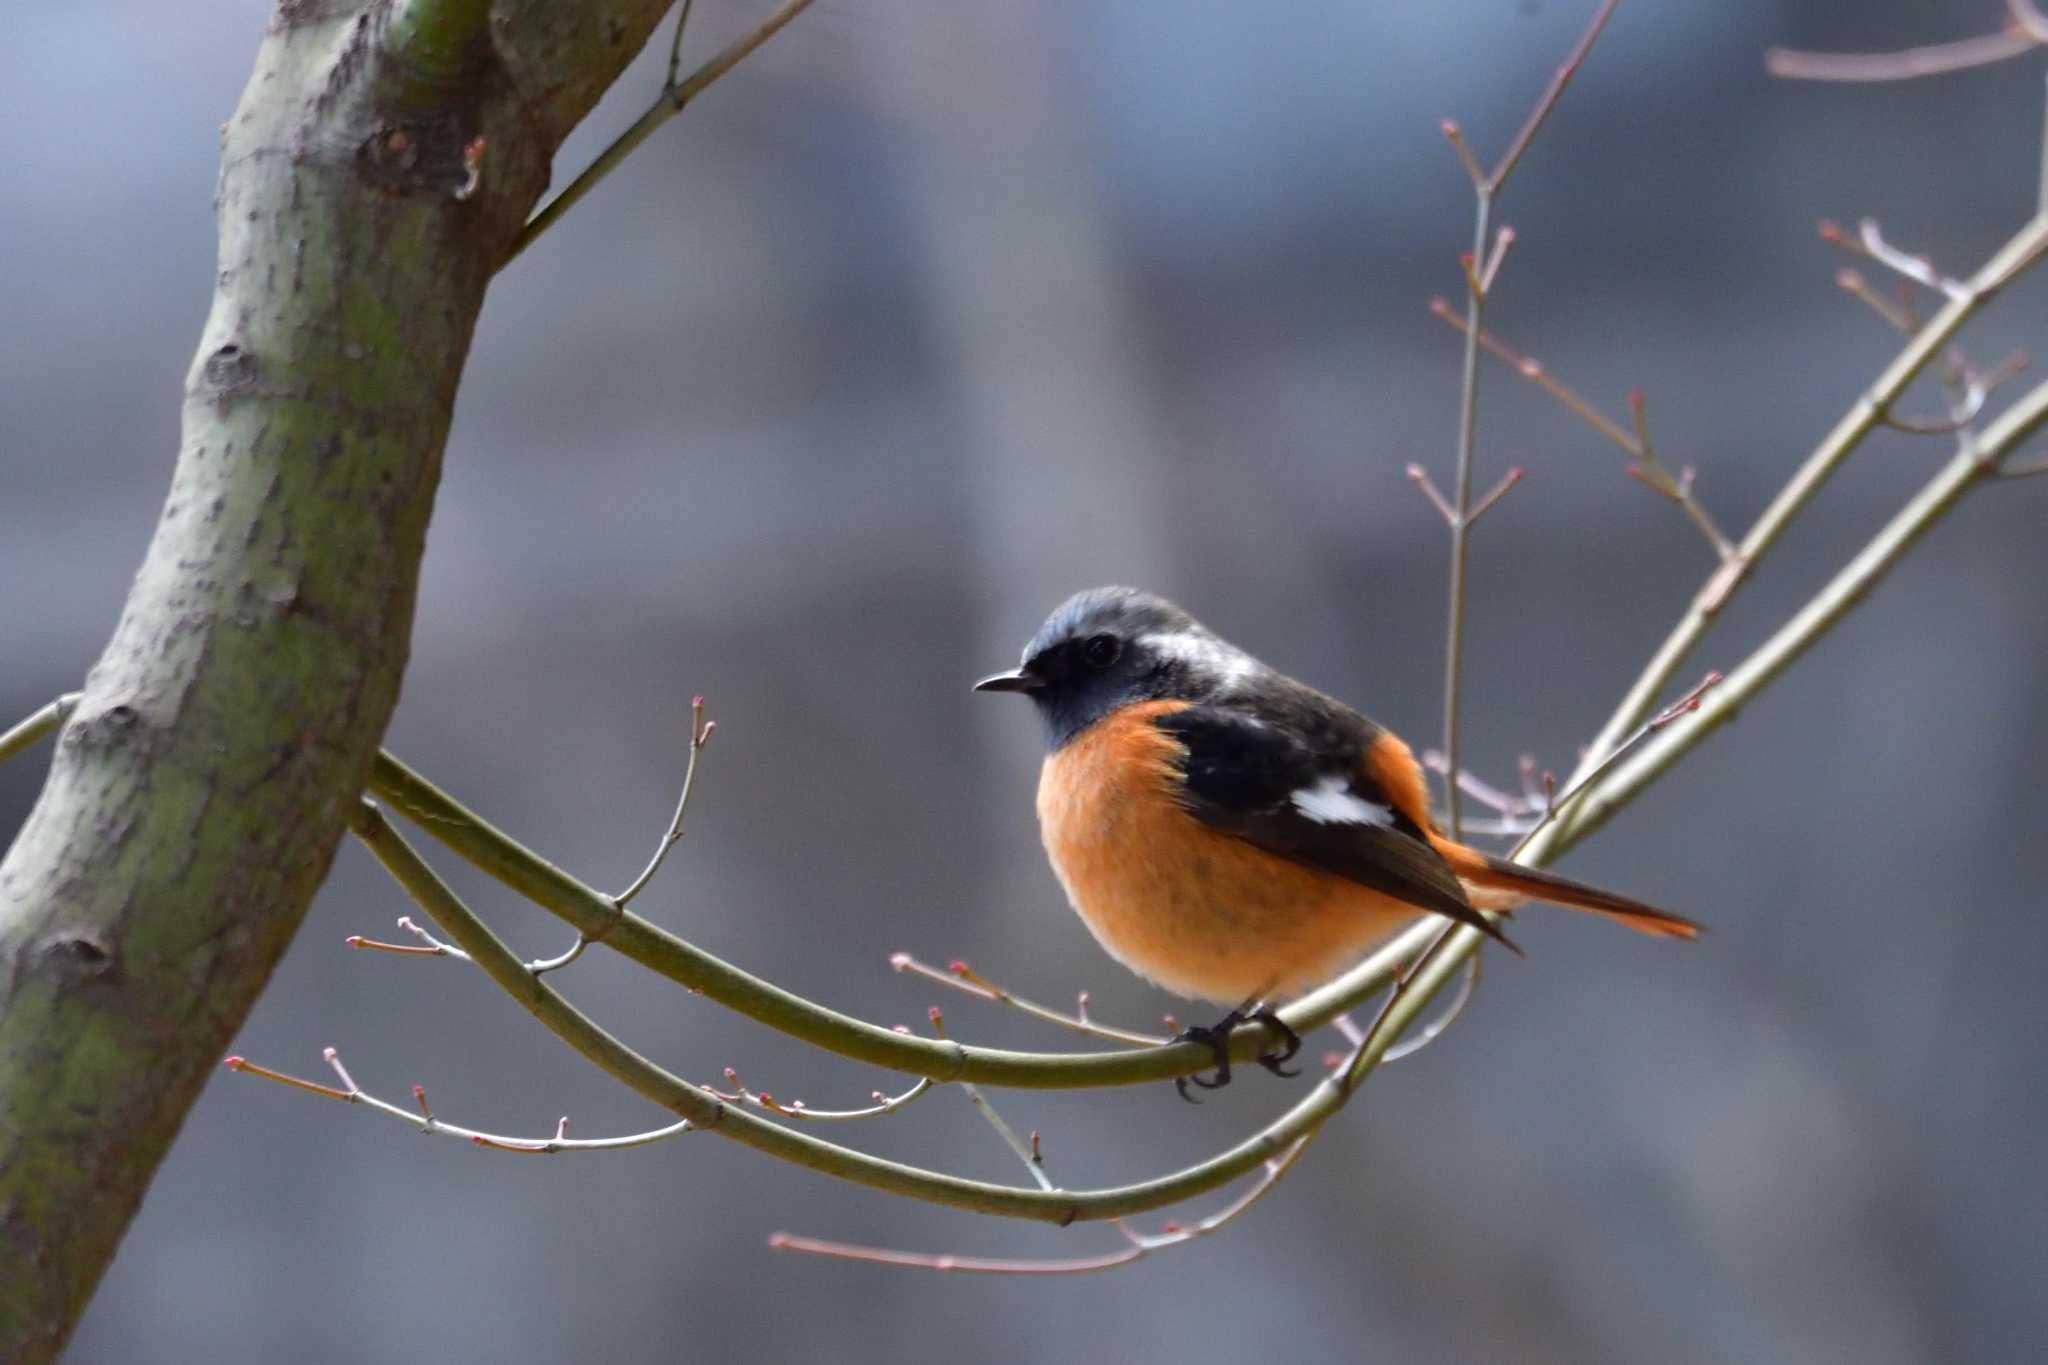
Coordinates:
1236 836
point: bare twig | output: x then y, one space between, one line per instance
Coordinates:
1139 1245
2041 189
1555 805
1028 1153
882 1106
1894 312
37 724
1475 969
670 102
1533 370
700 735
2019 253
425 1121
1962 414
1481 265
706 1109
1647 470
963 978
701 731
2022 469
1363 1057
1459 502
1456 136
1552 92
1482 791
1869 242
1975 459
1502 240
1935 59
1419 476
2026 17
1495 494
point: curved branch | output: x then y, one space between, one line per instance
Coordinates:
593 914
709 1113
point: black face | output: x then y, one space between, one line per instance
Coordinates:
1106 648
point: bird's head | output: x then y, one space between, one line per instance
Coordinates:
1110 647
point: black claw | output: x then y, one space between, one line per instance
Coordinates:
1290 1043
1217 1039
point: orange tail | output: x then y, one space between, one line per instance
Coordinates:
1485 873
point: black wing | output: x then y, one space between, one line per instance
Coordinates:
1263 783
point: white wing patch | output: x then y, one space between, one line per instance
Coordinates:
1226 663
1332 802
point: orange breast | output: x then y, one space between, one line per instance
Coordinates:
1196 910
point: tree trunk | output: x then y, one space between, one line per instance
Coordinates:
200 788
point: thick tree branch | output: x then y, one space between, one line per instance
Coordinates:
382 161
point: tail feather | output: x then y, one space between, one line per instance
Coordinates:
1486 873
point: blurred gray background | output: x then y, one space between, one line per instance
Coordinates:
935 312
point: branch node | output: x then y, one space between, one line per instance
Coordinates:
1464 151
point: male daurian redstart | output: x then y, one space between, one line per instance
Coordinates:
1233 834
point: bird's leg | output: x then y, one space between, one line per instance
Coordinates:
1217 1038
1290 1041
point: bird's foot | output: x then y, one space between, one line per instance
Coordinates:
1216 1038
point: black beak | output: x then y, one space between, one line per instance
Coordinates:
1015 681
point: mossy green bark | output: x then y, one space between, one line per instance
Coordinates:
200 787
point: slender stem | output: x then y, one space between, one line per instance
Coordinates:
2016 256
1974 460
675 45
591 912
1138 1245
1461 516
1625 781
707 1111
43 721
423 1119
2041 191
1547 101
1461 503
1538 374
1724 548
1936 59
2027 18
967 981
666 106
1017 1145
700 734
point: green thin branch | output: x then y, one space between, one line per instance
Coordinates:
1971 465
2010 261
1486 189
707 1112
670 102
593 914
33 728
1974 462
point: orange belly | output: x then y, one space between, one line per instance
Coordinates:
1200 912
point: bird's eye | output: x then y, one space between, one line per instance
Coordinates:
1100 651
